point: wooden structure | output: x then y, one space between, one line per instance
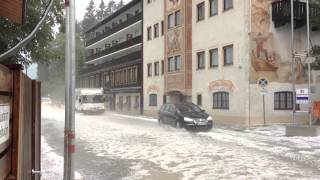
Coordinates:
316 110
19 124
14 10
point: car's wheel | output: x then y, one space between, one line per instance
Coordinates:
178 124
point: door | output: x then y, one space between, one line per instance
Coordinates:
172 115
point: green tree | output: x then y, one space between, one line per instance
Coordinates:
101 11
55 82
315 22
111 7
34 51
120 4
89 19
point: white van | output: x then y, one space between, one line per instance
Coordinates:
89 100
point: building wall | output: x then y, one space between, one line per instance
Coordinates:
274 63
229 27
134 109
153 52
178 42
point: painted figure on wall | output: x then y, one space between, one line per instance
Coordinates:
261 58
261 15
172 4
267 59
174 41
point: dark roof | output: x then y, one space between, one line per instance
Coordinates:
115 14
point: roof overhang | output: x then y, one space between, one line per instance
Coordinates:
14 10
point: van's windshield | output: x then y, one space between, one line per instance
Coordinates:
92 99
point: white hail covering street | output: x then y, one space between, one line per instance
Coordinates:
222 153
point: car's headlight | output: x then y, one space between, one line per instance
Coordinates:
209 118
186 119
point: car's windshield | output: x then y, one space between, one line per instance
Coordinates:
92 99
188 108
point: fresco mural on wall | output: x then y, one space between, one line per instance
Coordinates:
174 41
172 4
266 61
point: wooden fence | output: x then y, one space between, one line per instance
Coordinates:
19 124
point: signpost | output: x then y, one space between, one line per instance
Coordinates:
302 96
263 83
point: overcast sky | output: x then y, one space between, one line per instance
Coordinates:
81 6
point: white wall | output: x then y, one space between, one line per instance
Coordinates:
229 27
153 52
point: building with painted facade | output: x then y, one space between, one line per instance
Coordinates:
114 59
214 52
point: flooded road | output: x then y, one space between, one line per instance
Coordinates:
113 146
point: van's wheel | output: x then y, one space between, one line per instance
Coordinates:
178 125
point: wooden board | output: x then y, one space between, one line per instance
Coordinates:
13 10
6 83
5 164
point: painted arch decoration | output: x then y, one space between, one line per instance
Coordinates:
153 89
221 85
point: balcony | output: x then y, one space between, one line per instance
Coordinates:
126 60
281 13
115 29
115 48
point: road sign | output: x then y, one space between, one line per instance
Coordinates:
302 96
263 82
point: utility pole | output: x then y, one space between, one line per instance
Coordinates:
309 66
69 136
293 66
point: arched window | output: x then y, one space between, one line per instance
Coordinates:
153 100
221 100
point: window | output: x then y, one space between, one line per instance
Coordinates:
214 58
170 64
162 67
201 60
228 55
149 35
149 1
162 28
156 68
152 100
200 11
177 63
156 30
227 4
150 70
221 100
128 102
213 7
284 101
177 18
170 21
199 99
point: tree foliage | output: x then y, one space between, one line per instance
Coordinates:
55 70
35 50
316 48
90 16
